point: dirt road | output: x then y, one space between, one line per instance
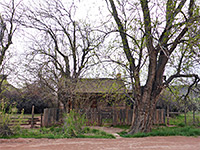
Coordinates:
148 143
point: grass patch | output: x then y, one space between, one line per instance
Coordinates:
125 127
166 131
57 132
179 120
97 134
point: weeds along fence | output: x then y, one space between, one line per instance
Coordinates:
98 117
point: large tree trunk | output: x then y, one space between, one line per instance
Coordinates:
143 114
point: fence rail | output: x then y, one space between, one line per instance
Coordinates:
24 121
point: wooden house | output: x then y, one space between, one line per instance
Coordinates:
95 93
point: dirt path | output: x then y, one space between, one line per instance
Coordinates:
148 143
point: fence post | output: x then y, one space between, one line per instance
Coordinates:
45 117
41 120
193 122
32 119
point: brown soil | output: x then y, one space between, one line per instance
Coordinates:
147 143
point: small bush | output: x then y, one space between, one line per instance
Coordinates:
181 124
5 120
73 124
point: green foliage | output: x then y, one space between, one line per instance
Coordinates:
6 114
73 123
181 124
166 131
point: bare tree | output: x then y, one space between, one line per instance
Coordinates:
64 45
8 26
151 33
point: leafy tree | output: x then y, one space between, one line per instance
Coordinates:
151 34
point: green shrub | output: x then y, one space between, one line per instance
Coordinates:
6 114
181 124
73 124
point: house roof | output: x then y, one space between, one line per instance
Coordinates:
99 85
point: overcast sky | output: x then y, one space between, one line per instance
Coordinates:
94 10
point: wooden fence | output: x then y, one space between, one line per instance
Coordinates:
25 121
100 116
51 116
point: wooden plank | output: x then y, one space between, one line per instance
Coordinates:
120 116
60 116
130 116
95 116
54 115
114 119
57 115
162 116
176 113
157 116
99 117
22 118
124 116
45 118
50 117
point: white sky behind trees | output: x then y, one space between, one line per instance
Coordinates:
86 10
94 12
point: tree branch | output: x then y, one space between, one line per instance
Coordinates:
123 36
180 76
